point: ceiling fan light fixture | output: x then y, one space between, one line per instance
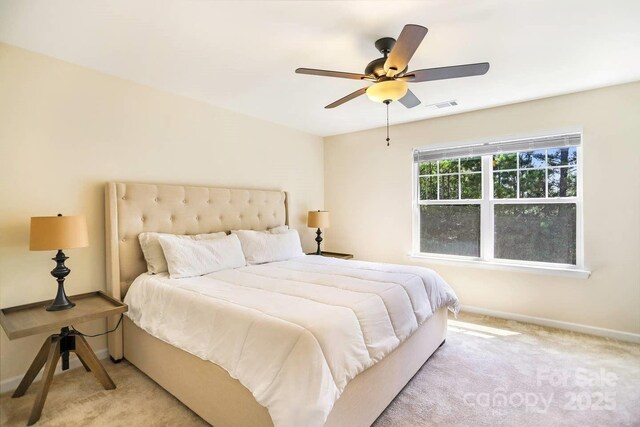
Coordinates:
388 90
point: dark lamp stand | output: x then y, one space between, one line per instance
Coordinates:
60 272
319 240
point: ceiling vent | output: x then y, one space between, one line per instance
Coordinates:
445 104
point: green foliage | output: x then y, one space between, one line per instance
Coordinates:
448 166
562 182
448 187
471 164
532 183
505 185
539 232
465 172
505 161
428 168
450 229
428 188
471 185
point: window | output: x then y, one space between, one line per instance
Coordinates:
510 202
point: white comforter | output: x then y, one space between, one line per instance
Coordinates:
294 332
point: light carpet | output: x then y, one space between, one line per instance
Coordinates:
489 372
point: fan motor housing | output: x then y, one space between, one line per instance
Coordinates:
376 67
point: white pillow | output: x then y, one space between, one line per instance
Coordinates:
189 258
275 230
260 247
279 230
156 263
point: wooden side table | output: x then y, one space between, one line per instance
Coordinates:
334 255
31 319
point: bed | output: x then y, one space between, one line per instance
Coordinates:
208 388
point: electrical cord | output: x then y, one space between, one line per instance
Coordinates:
97 335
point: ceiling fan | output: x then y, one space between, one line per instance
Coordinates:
389 74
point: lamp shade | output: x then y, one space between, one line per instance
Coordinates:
58 232
318 219
389 90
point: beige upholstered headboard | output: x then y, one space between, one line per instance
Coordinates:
177 209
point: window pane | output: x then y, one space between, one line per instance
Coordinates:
562 156
471 185
505 185
505 161
449 187
532 159
449 166
536 232
532 183
428 188
450 229
562 182
428 168
471 164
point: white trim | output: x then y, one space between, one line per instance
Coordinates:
415 210
550 323
580 206
537 268
486 209
12 383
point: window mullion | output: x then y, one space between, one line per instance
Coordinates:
459 179
546 174
517 175
438 179
416 208
486 217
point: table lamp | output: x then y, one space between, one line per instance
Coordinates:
49 233
318 219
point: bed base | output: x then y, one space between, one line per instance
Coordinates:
203 386
209 391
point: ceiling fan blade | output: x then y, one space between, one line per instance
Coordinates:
406 45
328 73
442 73
347 98
410 100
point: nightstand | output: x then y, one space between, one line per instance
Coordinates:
31 319
334 255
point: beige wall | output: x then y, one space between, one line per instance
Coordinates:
65 130
368 191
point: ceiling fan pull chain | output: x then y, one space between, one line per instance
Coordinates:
387 122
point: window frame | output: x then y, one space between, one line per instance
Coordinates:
487 212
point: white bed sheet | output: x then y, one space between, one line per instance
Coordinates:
293 332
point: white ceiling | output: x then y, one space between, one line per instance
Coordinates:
241 55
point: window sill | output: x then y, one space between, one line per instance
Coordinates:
575 273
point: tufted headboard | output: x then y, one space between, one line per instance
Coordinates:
176 209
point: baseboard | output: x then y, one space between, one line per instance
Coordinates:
575 327
11 384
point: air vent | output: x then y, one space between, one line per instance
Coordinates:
445 104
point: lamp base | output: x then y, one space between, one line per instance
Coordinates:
58 307
319 240
61 302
